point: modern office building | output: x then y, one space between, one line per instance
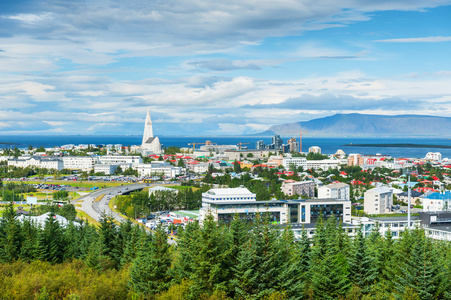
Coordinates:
224 204
158 168
82 163
120 159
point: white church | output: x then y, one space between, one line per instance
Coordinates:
150 144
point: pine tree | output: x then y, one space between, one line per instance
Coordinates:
11 241
29 234
209 268
362 269
109 240
419 271
149 272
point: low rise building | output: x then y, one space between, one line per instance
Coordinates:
246 154
436 201
434 156
120 159
378 201
337 190
50 163
107 169
325 164
158 169
82 163
224 204
289 162
314 149
301 188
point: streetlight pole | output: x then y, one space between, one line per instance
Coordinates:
408 203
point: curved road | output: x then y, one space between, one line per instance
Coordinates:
96 209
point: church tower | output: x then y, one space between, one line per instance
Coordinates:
150 144
148 131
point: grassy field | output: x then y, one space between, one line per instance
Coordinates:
82 215
99 198
84 184
180 187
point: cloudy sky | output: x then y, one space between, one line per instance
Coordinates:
217 68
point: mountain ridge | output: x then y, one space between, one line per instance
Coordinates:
368 125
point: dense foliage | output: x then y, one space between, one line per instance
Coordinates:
213 261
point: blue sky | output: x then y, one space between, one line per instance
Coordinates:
208 68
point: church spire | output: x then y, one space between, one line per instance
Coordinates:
148 131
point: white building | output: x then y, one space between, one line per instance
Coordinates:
157 169
325 164
436 201
224 204
314 149
378 201
335 191
120 159
434 156
40 220
51 163
294 161
83 163
107 169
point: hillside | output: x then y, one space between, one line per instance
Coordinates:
361 125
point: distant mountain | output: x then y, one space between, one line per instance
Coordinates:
360 125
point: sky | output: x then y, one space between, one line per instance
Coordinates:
217 68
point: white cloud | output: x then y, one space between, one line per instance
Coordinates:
429 39
56 123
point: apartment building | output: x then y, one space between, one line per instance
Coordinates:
378 201
82 163
291 187
337 190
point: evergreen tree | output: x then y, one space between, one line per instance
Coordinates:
149 272
362 269
11 236
419 271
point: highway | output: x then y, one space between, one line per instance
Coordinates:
96 209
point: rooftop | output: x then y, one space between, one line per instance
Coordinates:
229 191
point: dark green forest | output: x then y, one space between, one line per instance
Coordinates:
212 261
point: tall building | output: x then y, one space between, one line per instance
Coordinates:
277 142
150 144
293 144
260 145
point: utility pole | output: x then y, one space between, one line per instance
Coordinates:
408 203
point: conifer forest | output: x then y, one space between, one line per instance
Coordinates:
213 261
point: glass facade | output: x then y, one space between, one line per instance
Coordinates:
294 213
303 213
274 217
326 210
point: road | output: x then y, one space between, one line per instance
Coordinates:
96 209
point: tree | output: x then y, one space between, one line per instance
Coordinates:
118 171
149 273
236 167
30 147
181 163
40 149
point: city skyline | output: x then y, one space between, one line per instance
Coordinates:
210 68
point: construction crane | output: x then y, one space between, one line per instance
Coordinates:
239 144
194 144
300 138
207 143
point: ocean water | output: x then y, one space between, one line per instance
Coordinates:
327 145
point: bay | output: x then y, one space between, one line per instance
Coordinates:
328 145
